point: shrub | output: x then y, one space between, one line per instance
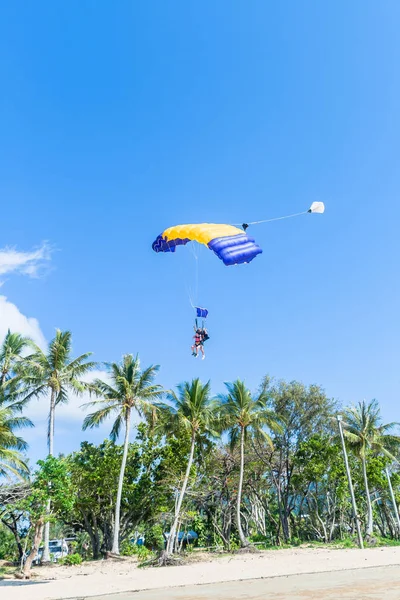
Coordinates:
71 560
154 539
128 548
8 549
131 549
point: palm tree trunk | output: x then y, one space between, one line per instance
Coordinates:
171 539
370 518
46 548
115 546
396 511
37 538
51 422
243 541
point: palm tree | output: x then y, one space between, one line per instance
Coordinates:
365 433
131 389
192 411
11 353
11 445
54 373
242 415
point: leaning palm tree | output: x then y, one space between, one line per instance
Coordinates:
131 389
242 415
11 445
194 412
53 374
365 433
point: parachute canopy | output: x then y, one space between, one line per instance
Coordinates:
229 243
317 207
201 313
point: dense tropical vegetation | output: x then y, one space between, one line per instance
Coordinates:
239 469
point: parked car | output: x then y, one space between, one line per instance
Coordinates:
58 549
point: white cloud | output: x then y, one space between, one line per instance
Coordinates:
11 318
26 263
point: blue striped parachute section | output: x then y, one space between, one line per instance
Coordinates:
201 313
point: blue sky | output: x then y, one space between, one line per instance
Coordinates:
118 120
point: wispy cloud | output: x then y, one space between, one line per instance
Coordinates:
25 263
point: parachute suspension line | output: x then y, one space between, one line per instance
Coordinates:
194 293
279 218
189 293
316 207
245 225
196 271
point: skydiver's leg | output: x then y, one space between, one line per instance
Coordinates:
202 352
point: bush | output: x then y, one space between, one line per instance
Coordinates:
71 560
128 548
8 548
381 541
131 549
234 543
199 525
154 539
143 553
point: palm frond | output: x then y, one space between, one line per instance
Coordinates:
95 419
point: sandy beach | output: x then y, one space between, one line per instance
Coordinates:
111 577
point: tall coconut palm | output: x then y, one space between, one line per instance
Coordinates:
131 389
193 411
365 433
11 445
242 415
54 374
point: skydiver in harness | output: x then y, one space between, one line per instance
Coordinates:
200 334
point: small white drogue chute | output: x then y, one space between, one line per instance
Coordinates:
317 207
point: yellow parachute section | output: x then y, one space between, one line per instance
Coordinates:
203 233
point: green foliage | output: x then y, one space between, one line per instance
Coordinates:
8 548
154 539
199 525
71 560
384 541
258 538
131 388
55 369
234 544
128 548
94 472
292 480
364 430
11 444
51 482
348 543
132 549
